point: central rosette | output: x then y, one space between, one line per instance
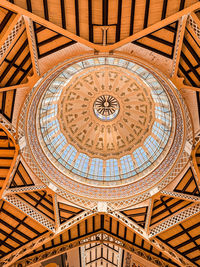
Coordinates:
106 107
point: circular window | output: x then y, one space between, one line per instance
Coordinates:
106 107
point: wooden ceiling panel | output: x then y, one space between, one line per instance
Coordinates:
7 150
188 184
66 212
6 18
184 238
165 207
123 18
49 41
189 65
40 201
17 64
157 41
137 215
21 177
16 229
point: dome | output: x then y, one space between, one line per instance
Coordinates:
105 125
105 119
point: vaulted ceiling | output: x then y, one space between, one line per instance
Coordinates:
36 223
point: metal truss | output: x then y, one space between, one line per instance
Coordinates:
182 261
8 126
129 223
28 248
133 226
30 211
193 24
100 237
32 44
175 219
180 196
24 189
12 35
179 40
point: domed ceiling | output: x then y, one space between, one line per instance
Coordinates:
103 121
75 135
99 132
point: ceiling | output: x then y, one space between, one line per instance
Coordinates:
35 223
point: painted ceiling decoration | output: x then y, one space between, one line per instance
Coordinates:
99 133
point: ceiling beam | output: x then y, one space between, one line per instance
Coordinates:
77 17
90 25
164 9
29 6
155 26
175 219
146 14
24 189
119 17
9 29
32 45
46 11
178 46
56 211
105 12
100 48
62 7
11 36
180 196
132 17
149 213
32 245
30 211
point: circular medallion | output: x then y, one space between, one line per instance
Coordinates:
106 107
